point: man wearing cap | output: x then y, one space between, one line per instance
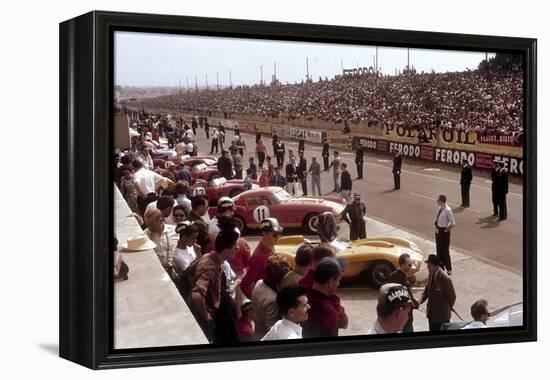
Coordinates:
325 154
302 263
354 215
399 276
500 185
187 249
326 315
392 310
444 222
345 183
246 322
271 231
294 307
465 182
440 293
315 170
359 154
396 169
302 171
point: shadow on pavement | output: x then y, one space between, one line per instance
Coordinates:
388 191
52 348
459 209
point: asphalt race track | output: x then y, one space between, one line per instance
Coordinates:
413 207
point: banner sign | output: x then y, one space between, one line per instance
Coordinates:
367 144
407 150
382 146
505 139
247 126
484 161
263 128
427 152
314 136
298 133
451 156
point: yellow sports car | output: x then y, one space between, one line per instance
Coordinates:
374 257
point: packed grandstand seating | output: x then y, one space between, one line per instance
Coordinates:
488 100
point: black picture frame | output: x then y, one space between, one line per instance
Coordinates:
86 114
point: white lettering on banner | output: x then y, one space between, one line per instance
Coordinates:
512 164
401 293
454 156
297 133
407 150
314 136
368 143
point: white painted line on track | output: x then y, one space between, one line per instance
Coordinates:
436 177
452 204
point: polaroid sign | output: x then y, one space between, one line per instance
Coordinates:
407 150
450 156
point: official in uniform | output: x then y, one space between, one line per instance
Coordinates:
359 153
501 189
292 177
280 153
354 215
301 145
396 170
325 153
465 182
302 172
444 222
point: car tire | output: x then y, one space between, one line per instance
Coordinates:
379 273
241 225
309 221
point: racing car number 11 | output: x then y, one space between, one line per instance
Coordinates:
260 213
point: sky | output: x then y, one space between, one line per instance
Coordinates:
151 59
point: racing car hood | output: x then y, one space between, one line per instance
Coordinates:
335 204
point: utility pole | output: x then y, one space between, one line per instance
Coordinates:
187 81
307 69
408 58
196 84
261 75
179 80
376 60
230 81
206 80
217 82
342 65
274 71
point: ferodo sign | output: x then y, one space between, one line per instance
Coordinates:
407 150
368 144
512 164
451 156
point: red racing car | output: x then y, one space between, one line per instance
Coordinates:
253 206
220 187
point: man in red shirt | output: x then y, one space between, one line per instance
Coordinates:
319 253
271 231
326 315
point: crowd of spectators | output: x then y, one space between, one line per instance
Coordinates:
488 100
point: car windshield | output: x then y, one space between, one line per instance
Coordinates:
281 195
209 162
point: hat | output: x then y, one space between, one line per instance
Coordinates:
270 224
181 227
394 295
433 259
246 305
357 194
138 243
147 145
225 202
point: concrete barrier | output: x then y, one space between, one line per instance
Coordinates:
148 309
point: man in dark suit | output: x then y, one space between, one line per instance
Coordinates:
302 172
292 177
325 153
359 153
440 293
301 145
280 153
465 182
396 170
494 196
501 190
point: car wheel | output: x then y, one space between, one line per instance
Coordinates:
240 224
235 192
380 273
310 222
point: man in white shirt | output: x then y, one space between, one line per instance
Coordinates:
145 155
163 235
146 184
294 307
394 305
444 222
480 313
